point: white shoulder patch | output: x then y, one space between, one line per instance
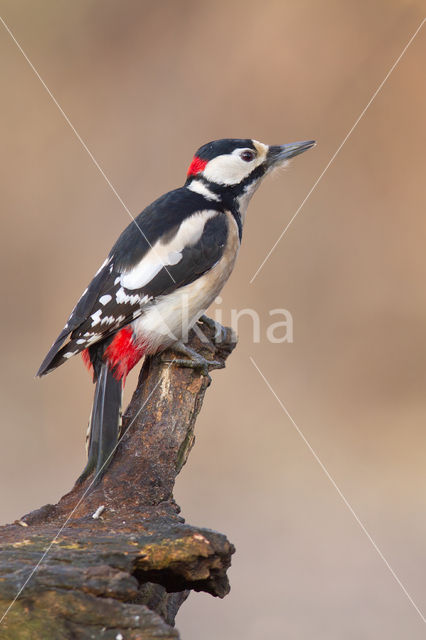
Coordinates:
168 253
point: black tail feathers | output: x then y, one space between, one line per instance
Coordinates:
104 423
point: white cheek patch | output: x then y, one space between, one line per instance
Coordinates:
167 254
227 169
231 168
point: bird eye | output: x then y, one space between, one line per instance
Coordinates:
247 155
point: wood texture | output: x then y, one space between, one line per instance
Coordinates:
124 574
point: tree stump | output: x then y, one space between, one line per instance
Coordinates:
114 560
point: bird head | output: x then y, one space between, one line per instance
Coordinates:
231 162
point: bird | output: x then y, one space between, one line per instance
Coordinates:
159 278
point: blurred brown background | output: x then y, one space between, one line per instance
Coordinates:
145 84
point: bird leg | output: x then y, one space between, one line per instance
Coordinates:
193 359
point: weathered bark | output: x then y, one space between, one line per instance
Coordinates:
126 573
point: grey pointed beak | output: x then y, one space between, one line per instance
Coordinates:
279 153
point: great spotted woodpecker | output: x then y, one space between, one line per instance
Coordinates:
163 272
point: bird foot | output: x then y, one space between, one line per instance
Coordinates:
193 360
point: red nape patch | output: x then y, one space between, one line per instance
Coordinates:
196 166
122 354
86 359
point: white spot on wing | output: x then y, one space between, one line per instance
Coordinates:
123 298
105 299
96 317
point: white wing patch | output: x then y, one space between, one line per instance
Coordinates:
123 298
70 354
96 317
88 338
111 319
105 299
166 254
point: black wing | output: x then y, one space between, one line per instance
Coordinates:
109 303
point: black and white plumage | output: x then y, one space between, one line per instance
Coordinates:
163 272
142 269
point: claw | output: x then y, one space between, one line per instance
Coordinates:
203 364
193 360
